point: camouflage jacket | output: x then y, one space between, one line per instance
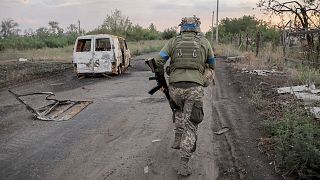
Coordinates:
185 75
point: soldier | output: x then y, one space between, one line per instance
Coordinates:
191 65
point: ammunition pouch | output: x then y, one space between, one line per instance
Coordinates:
197 114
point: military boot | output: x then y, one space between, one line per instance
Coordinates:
184 168
177 141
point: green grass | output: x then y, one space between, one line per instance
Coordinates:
142 47
307 75
46 61
61 54
297 138
65 54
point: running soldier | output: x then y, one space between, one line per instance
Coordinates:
191 65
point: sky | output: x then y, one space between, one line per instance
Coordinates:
91 13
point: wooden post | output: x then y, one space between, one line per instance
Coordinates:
257 43
318 51
247 41
284 44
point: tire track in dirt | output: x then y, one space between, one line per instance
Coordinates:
237 155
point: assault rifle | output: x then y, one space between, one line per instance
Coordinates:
161 84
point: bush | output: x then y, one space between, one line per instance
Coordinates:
37 42
297 143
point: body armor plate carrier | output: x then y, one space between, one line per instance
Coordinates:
187 53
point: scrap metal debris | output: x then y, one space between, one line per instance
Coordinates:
156 140
262 72
22 59
221 131
235 59
56 110
307 93
303 88
146 169
56 84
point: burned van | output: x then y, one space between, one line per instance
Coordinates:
102 53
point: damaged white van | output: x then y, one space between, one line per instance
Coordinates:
100 54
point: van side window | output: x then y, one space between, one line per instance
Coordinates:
103 44
83 45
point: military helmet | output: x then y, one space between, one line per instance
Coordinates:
190 24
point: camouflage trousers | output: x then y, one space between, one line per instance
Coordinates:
185 122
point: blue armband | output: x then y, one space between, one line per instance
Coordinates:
164 55
211 60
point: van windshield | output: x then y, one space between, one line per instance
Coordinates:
83 45
103 44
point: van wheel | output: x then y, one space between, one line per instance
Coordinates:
119 69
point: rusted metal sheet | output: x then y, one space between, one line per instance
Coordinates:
55 110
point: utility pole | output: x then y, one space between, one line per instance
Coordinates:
79 27
212 26
217 23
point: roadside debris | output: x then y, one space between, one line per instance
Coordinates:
156 140
235 59
303 88
262 72
308 94
56 84
221 131
56 110
146 169
22 59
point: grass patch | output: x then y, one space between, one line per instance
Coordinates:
47 61
297 148
141 47
307 75
293 135
226 50
61 54
25 71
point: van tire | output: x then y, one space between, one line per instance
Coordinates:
119 69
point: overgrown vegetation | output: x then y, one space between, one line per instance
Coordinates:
54 36
308 75
294 142
297 148
119 24
293 134
244 31
141 47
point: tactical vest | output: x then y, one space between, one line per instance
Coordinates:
187 53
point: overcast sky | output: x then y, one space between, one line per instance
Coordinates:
163 13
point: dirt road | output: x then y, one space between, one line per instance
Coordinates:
112 138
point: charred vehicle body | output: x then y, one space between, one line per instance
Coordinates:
100 54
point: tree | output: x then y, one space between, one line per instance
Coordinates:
152 32
54 27
29 32
117 23
42 32
169 33
9 28
301 12
72 29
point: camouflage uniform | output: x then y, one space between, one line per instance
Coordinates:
190 53
186 99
